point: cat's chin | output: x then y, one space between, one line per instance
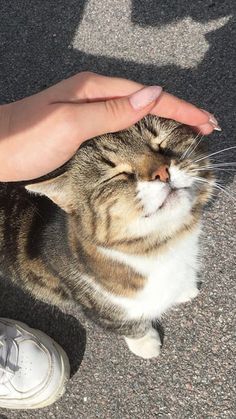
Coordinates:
165 221
173 198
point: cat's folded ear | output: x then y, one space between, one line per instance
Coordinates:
59 190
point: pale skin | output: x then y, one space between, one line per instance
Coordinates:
43 131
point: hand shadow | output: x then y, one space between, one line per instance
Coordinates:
63 328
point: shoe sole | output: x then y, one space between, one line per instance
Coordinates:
64 364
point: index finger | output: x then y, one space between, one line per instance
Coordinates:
169 106
89 86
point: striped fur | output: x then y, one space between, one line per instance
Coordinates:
98 233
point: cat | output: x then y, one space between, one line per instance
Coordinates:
117 232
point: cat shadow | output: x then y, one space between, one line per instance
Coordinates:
63 328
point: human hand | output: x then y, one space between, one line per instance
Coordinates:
43 131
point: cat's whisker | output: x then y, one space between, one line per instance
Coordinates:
219 164
226 170
215 182
185 153
213 194
203 169
233 163
194 148
222 168
213 154
225 191
215 185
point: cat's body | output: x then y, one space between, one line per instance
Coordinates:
125 244
176 266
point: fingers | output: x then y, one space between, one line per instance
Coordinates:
90 87
96 118
169 106
204 129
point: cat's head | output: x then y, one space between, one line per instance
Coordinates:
150 180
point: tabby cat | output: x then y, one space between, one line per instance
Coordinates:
117 232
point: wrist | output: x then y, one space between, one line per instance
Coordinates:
5 120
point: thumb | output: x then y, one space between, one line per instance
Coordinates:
96 118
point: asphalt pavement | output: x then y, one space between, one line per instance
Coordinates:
189 48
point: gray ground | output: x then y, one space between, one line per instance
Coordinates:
188 47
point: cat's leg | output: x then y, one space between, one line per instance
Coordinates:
141 337
147 346
190 288
187 295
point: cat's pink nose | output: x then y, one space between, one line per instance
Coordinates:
162 173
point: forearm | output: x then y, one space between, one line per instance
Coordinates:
5 123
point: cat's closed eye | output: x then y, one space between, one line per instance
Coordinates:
164 149
107 161
169 152
124 175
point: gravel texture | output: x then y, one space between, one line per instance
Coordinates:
188 47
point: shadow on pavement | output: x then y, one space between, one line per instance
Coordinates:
167 11
36 51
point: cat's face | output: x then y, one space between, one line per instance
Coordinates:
139 182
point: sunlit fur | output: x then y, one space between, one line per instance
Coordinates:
120 242
113 186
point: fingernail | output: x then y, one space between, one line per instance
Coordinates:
213 121
144 97
216 127
215 124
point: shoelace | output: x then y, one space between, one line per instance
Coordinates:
7 372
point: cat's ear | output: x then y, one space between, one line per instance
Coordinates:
58 190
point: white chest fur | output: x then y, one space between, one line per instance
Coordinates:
170 276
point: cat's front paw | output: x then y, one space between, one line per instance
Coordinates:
187 295
149 346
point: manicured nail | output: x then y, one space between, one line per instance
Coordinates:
145 96
215 124
213 121
216 127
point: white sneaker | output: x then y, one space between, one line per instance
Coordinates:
33 368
